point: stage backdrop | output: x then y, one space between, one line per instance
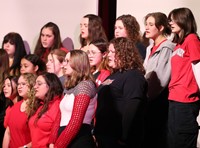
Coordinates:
28 16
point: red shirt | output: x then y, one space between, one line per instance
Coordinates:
183 86
17 123
40 130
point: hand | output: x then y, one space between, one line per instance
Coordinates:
51 145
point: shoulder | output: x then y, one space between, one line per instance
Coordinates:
168 44
191 37
85 87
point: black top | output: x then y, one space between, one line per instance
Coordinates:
120 104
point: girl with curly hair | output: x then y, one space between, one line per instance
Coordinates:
17 132
121 98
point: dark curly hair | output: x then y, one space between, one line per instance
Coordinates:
126 54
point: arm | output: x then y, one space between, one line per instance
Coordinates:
196 71
79 109
131 109
6 138
133 97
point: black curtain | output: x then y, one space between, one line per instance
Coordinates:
107 11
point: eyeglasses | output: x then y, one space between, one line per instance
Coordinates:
40 83
92 52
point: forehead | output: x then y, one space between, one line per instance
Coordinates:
150 19
7 80
40 78
111 47
47 30
93 47
67 56
21 78
25 61
119 23
52 56
85 20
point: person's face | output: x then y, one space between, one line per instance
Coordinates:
47 38
66 65
22 87
53 64
151 30
111 56
27 67
10 90
174 27
10 48
120 30
84 28
41 88
95 55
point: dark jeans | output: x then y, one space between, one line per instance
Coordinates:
182 124
83 138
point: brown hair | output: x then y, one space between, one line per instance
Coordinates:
79 62
160 20
4 66
95 29
101 44
126 55
59 53
132 27
55 89
39 49
184 18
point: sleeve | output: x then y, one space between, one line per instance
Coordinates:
82 99
160 77
78 113
55 128
134 93
194 49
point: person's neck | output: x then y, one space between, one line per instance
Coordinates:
11 59
60 74
159 39
14 99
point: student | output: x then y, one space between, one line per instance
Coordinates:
48 40
10 92
91 29
121 98
14 45
157 73
184 86
17 132
54 63
32 64
98 61
44 108
73 126
127 26
4 72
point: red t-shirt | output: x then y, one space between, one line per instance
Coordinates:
41 130
19 130
183 86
